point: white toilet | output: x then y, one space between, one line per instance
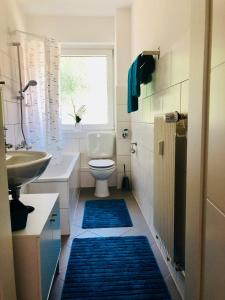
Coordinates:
101 147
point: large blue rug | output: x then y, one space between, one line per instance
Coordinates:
112 268
106 214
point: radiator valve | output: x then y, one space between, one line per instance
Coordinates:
173 117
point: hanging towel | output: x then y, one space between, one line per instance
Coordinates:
134 84
147 68
140 72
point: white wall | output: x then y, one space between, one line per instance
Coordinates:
158 23
163 24
73 29
10 18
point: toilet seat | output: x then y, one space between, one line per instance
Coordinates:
101 163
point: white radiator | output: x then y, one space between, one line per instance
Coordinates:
170 151
164 177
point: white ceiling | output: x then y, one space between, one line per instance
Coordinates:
73 7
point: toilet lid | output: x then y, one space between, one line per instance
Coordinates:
101 163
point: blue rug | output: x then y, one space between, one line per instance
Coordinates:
111 268
106 214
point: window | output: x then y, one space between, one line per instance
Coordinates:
86 79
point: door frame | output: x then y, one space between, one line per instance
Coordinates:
197 141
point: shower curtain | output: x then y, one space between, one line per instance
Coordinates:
42 103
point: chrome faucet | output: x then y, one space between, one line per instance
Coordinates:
22 145
7 145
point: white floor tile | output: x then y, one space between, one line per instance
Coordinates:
139 228
87 234
104 232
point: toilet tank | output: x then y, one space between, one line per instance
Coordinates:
101 144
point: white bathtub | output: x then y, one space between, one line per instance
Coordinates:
65 180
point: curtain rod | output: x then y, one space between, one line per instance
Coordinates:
28 33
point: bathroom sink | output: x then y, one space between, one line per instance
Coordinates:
25 166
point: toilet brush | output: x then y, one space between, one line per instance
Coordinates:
125 182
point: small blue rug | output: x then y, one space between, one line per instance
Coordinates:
106 214
111 268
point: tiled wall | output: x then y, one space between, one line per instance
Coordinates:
166 93
214 287
122 62
153 102
9 71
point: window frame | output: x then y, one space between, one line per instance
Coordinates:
73 51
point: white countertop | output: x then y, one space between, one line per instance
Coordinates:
43 204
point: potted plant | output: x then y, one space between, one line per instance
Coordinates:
77 115
72 88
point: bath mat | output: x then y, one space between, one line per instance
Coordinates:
111 268
106 214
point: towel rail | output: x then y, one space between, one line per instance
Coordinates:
157 53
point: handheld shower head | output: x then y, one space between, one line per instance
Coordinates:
30 83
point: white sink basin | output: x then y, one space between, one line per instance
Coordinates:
25 166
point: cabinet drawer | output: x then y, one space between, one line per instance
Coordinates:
45 260
49 250
56 235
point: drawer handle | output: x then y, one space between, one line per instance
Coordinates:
54 215
52 220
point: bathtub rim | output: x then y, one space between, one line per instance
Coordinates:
66 175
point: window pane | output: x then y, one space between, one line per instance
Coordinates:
84 82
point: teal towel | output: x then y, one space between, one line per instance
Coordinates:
147 68
134 90
140 72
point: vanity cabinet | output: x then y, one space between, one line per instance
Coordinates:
37 247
